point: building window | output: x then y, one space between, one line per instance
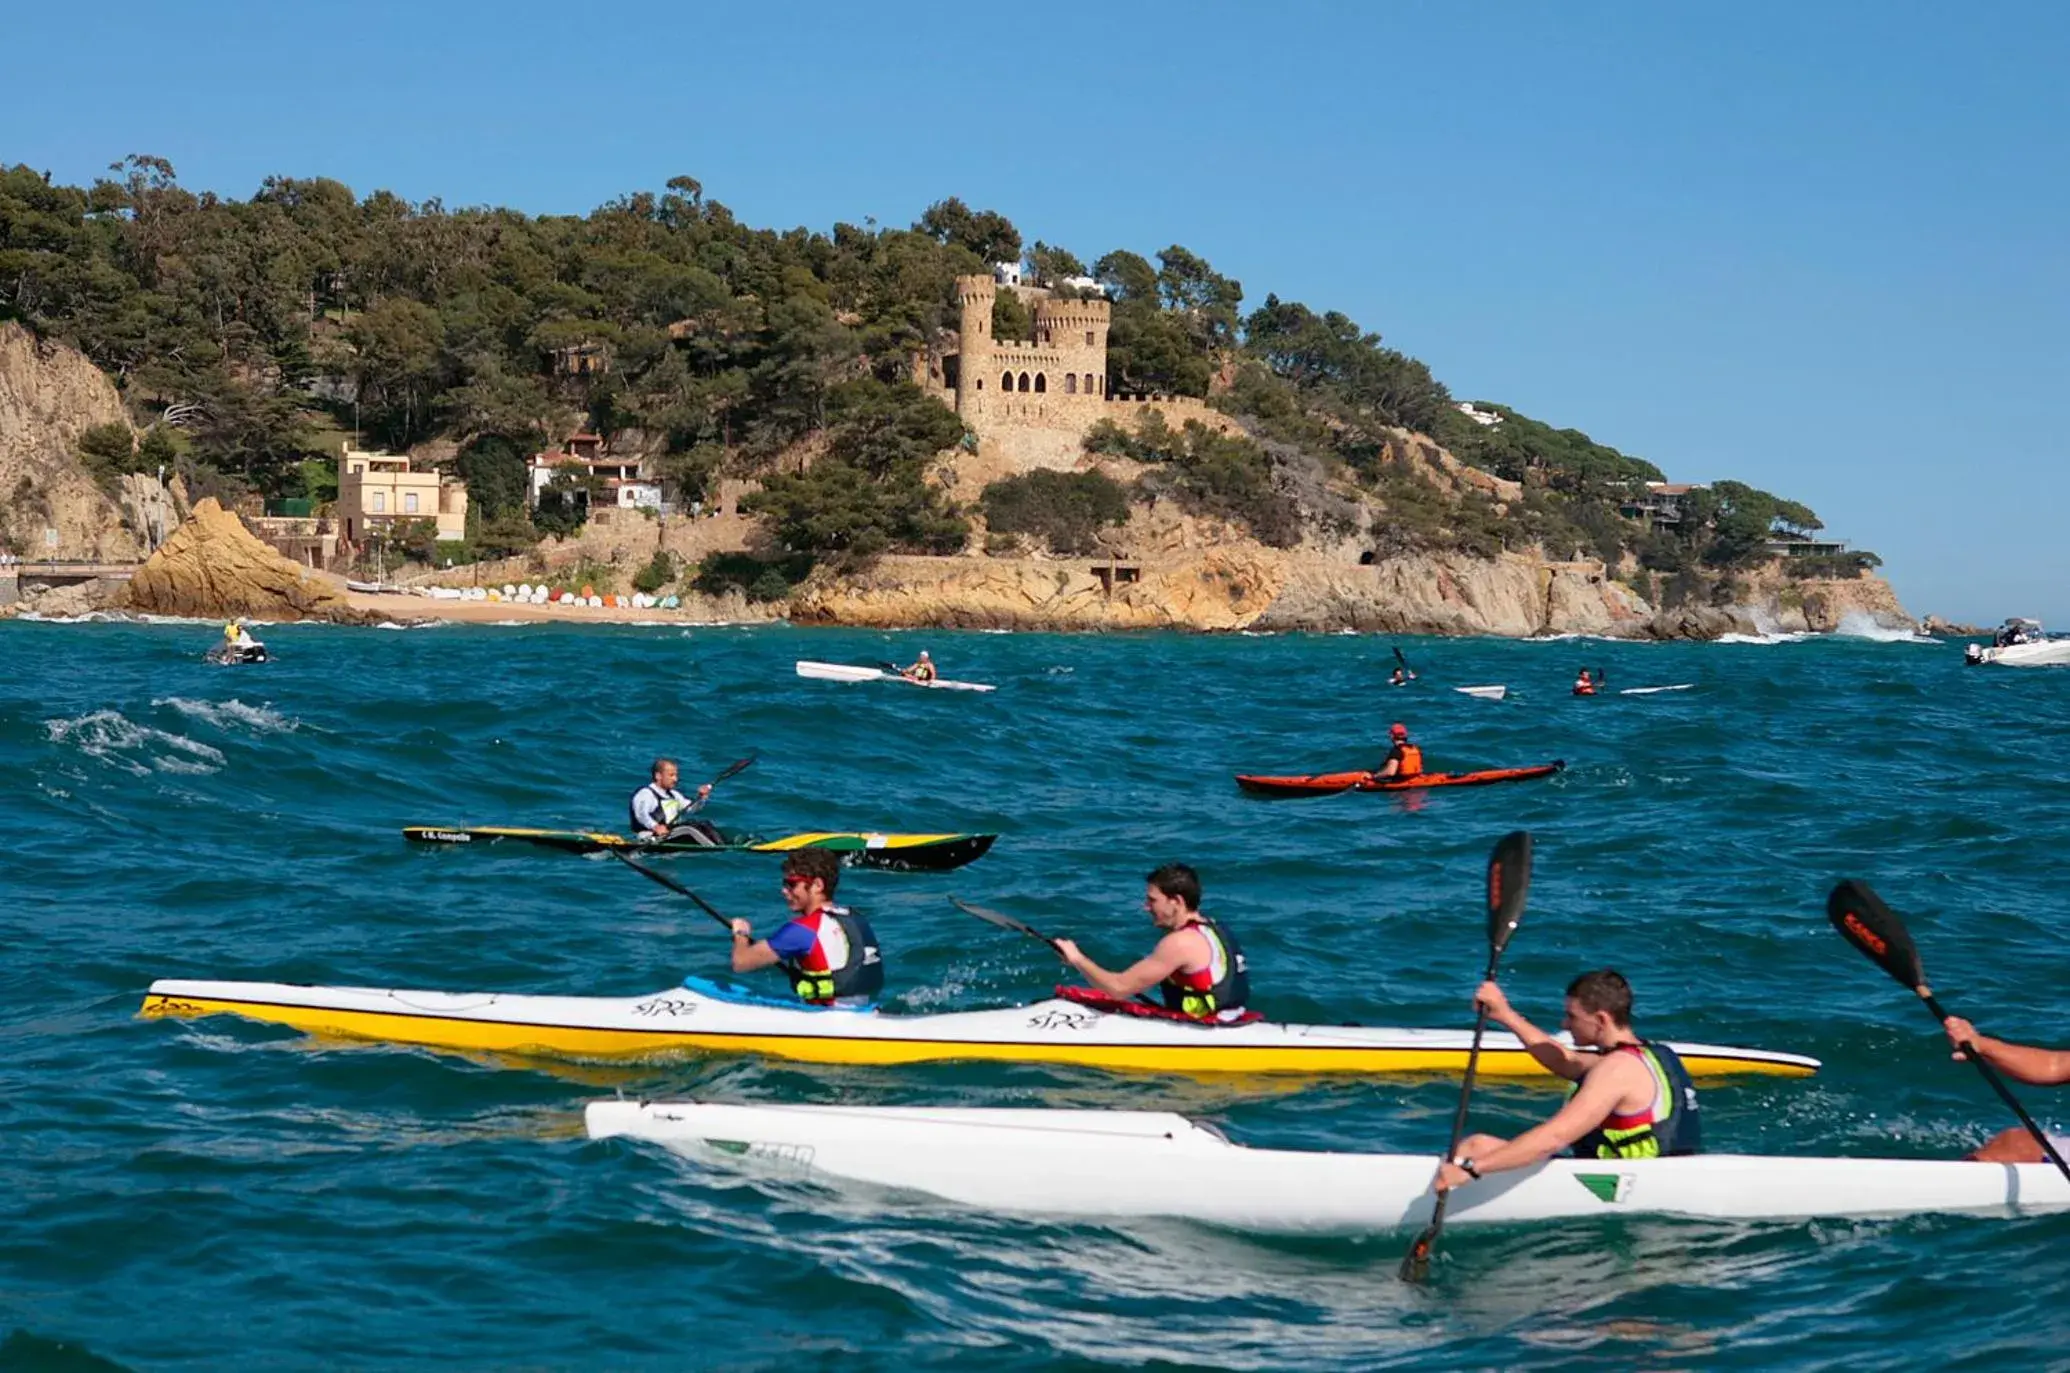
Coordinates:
981 383
1103 386
380 503
1006 381
1041 383
409 502
1070 383
1024 382
1088 383
1088 338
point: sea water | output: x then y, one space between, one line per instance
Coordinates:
209 1194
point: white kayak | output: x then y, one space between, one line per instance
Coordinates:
1654 691
1486 693
705 1017
1118 1165
849 672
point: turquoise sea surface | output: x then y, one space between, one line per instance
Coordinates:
217 1193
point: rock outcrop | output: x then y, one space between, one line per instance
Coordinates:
50 506
213 567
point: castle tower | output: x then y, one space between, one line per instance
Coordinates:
975 294
1077 331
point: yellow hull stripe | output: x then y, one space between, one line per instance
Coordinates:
440 1032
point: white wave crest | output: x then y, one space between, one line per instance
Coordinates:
1860 624
115 739
1761 638
231 714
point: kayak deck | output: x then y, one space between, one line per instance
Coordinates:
1119 1165
680 1020
859 849
1330 783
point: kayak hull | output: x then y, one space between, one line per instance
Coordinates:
1329 783
880 852
1118 1165
687 1020
848 672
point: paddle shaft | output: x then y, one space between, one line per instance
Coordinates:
677 887
1976 1056
1419 1253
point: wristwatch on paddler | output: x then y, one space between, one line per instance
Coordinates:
1465 1165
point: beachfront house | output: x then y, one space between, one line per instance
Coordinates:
619 482
376 490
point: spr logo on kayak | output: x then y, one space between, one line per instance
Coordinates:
666 1005
1063 1020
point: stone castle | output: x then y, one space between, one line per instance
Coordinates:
1034 400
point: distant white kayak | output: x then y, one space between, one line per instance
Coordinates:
1116 1165
1486 693
849 672
1648 691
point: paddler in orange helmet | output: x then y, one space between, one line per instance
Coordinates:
1404 760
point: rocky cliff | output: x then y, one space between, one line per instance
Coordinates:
1244 585
213 567
50 507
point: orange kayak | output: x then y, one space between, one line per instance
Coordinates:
1325 783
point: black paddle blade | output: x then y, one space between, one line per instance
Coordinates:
1416 1263
1874 928
1509 883
736 768
1001 919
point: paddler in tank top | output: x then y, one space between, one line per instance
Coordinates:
2023 1063
659 811
1404 759
1197 965
1631 1099
920 671
829 952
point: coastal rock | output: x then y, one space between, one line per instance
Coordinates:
50 506
212 566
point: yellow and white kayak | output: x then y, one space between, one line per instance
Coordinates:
702 1017
858 848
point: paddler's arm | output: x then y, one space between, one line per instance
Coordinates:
1555 1057
697 802
2041 1067
1161 963
749 953
1585 1110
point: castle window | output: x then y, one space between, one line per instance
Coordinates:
1041 383
1006 381
981 383
1024 381
1088 383
1088 338
1070 383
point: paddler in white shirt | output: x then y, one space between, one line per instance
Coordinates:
659 811
921 671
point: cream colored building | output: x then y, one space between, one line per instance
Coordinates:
381 488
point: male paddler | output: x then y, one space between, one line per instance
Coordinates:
829 952
1632 1098
659 811
1196 963
2023 1063
1585 685
1404 759
921 670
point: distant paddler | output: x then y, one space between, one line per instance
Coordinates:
921 670
1197 965
1404 759
1632 1098
829 952
2022 1063
659 811
1585 685
237 637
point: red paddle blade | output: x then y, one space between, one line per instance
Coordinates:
1874 928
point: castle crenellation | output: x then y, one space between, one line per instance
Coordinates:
1036 398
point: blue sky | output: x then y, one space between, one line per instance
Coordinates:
1820 248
